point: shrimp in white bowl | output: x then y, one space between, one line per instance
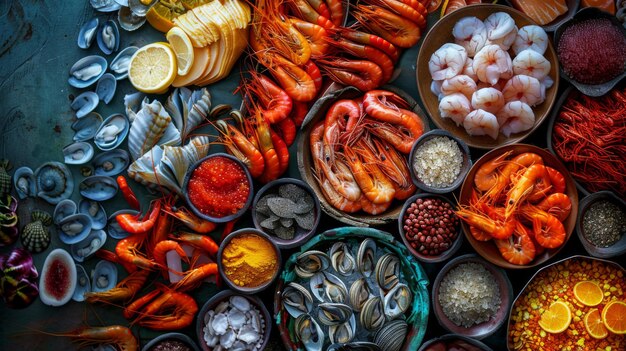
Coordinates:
531 37
459 84
468 69
447 61
499 24
481 122
531 63
490 63
488 99
506 41
515 117
470 33
524 88
455 106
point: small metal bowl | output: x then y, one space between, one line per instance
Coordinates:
454 337
465 167
171 336
456 245
224 219
224 295
220 266
301 235
482 330
619 248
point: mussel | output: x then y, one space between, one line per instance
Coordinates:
105 89
387 271
87 33
54 182
397 301
334 313
74 228
342 333
87 71
112 132
88 246
98 188
119 65
83 284
63 210
309 333
24 182
94 210
85 128
108 37
78 153
366 257
342 261
372 314
84 103
359 294
328 287
128 20
296 299
310 262
111 163
104 276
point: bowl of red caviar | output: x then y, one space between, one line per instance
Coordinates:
218 188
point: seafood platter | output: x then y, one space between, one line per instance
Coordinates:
313 175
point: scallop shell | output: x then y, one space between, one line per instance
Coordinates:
87 33
119 65
152 126
74 228
88 246
113 228
35 236
84 103
86 127
133 103
111 163
112 132
105 89
139 8
108 37
188 109
54 182
98 188
94 210
46 280
105 5
128 20
83 284
87 71
104 276
78 153
24 182
64 209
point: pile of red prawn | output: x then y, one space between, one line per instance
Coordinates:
520 204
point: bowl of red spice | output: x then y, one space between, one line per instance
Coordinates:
591 48
429 228
218 188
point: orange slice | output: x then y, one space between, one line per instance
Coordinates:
162 13
556 319
614 317
594 325
588 293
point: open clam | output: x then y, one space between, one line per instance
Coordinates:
94 210
24 182
119 65
111 163
297 299
366 257
387 271
83 284
85 128
342 333
359 294
54 182
141 7
104 276
105 5
87 33
112 132
340 258
98 188
309 333
84 103
310 262
113 228
78 153
63 210
392 335
128 20
333 313
328 287
88 246
74 228
108 37
372 314
87 71
105 89
397 301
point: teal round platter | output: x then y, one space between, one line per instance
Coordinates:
411 271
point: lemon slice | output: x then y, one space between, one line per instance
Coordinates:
153 68
180 43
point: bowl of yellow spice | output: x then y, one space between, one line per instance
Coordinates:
248 260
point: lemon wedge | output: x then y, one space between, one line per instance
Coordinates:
153 68
181 44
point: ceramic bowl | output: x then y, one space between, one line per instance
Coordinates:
428 345
171 336
482 330
440 34
230 283
487 249
617 249
456 244
224 219
572 7
225 295
301 235
465 166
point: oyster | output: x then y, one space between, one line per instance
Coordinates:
152 126
310 262
113 228
104 276
24 182
74 228
105 89
77 153
64 209
86 127
297 299
88 246
95 210
35 236
54 182
112 132
188 109
372 314
309 333
111 163
397 301
87 33
128 20
58 278
328 287
98 188
392 335
87 71
359 294
108 37
141 7
341 259
84 103
387 271
105 5
119 65
83 284
366 257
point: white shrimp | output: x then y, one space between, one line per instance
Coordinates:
506 41
524 88
468 69
455 106
490 63
435 88
488 99
499 85
470 33
498 25
515 117
531 37
447 61
481 122
459 84
531 63
547 82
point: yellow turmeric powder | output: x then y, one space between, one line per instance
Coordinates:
249 260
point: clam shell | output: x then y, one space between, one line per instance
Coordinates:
138 8
88 246
98 188
86 127
84 103
111 163
83 284
105 5
391 336
64 209
119 65
74 228
108 37
104 276
77 153
46 280
35 237
87 71
105 89
87 33
94 210
24 182
128 20
54 182
112 132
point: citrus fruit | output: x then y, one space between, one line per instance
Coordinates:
180 43
556 319
588 293
162 13
594 325
614 317
153 68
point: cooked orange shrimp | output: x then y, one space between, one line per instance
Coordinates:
366 39
396 29
120 337
455 106
459 84
366 52
239 146
531 63
394 165
293 79
376 187
486 175
556 179
162 248
447 62
362 74
488 99
524 187
372 208
303 10
481 122
314 33
491 63
498 25
557 204
403 9
518 248
515 117
202 242
335 199
524 88
549 231
470 33
336 122
531 37
124 290
497 228
194 278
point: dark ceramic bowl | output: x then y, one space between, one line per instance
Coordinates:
171 336
454 337
572 7
301 235
465 167
220 266
583 15
225 295
211 218
456 245
617 249
482 330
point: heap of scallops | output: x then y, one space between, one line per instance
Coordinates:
493 74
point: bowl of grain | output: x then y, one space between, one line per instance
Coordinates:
601 224
439 162
471 297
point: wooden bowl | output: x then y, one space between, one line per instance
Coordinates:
440 34
487 249
305 161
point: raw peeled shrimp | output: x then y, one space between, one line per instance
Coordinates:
435 88
531 37
488 99
531 63
490 63
498 25
515 117
481 122
455 106
524 88
470 33
459 84
468 69
447 61
506 41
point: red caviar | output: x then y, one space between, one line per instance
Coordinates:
218 187
57 280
